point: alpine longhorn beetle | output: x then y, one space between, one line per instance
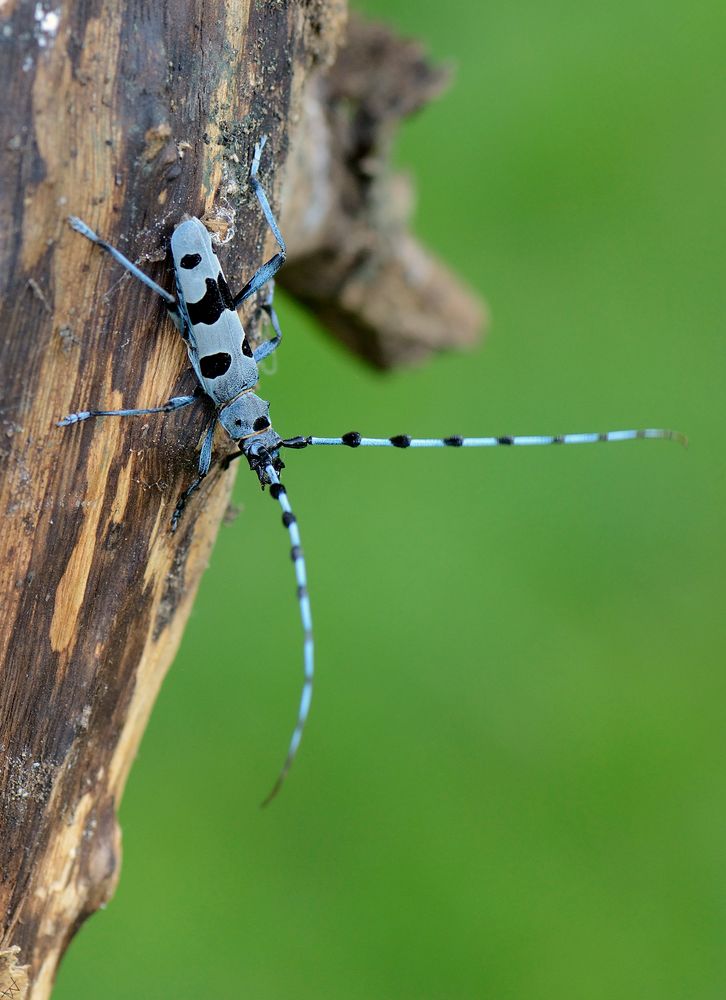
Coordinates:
225 365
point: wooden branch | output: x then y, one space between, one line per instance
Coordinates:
353 260
128 122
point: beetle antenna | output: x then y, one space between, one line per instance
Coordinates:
277 492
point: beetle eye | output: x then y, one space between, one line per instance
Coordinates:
261 424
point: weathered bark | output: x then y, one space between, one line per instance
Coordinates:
128 116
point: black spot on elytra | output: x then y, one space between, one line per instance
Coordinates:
246 349
261 424
211 305
190 260
225 292
214 365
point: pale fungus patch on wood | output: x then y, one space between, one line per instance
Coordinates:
13 977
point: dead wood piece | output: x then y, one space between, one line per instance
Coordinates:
128 124
352 258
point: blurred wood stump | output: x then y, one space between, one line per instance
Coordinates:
130 122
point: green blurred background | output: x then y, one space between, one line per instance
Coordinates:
512 784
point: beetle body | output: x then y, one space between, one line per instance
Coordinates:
216 341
